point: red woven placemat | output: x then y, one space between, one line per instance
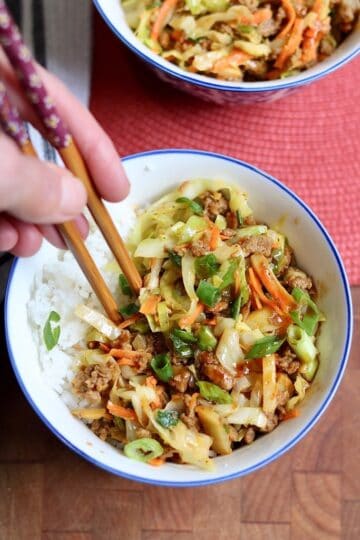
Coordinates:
308 140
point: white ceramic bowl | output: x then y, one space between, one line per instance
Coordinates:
152 174
216 90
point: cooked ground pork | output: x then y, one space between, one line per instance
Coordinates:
101 428
94 382
200 247
297 278
181 380
287 362
214 204
249 435
211 369
256 244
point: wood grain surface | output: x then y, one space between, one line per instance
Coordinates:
312 492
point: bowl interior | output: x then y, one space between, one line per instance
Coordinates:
151 175
113 14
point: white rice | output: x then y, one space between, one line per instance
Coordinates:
61 286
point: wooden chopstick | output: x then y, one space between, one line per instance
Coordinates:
12 124
58 134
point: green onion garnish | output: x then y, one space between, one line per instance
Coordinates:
143 449
235 307
193 205
51 332
208 294
212 392
141 326
161 364
309 319
124 285
206 266
129 310
264 346
167 418
188 337
239 218
181 348
228 278
206 339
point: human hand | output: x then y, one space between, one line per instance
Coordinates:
34 195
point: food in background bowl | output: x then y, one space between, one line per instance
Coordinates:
219 346
249 40
52 282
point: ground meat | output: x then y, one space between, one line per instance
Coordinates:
348 10
156 343
297 278
251 4
214 203
189 417
228 233
249 435
164 39
101 428
250 220
210 368
300 8
288 362
180 381
200 247
285 263
219 307
272 25
94 382
272 422
256 244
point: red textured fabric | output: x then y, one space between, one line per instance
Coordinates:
309 140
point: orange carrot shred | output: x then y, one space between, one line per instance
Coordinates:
262 15
121 353
291 15
131 320
156 462
122 412
291 414
104 347
150 305
292 43
214 238
162 18
188 320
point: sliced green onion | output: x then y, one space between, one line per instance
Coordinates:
208 294
51 332
206 266
193 205
188 337
303 346
167 419
140 326
235 307
307 321
252 230
228 278
119 423
264 346
129 310
143 449
226 193
245 28
175 258
181 348
207 340
124 285
212 392
161 364
239 218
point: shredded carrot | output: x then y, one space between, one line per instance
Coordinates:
210 322
271 283
291 15
310 45
150 305
234 59
104 347
291 414
122 412
163 16
126 362
257 290
156 462
121 353
188 320
262 15
318 6
292 43
131 320
214 238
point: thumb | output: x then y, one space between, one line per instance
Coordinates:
35 191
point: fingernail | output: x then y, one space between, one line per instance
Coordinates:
73 196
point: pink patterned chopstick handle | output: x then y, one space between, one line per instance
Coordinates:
21 60
10 119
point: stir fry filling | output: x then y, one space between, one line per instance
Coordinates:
246 40
220 345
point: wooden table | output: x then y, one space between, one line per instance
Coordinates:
313 492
